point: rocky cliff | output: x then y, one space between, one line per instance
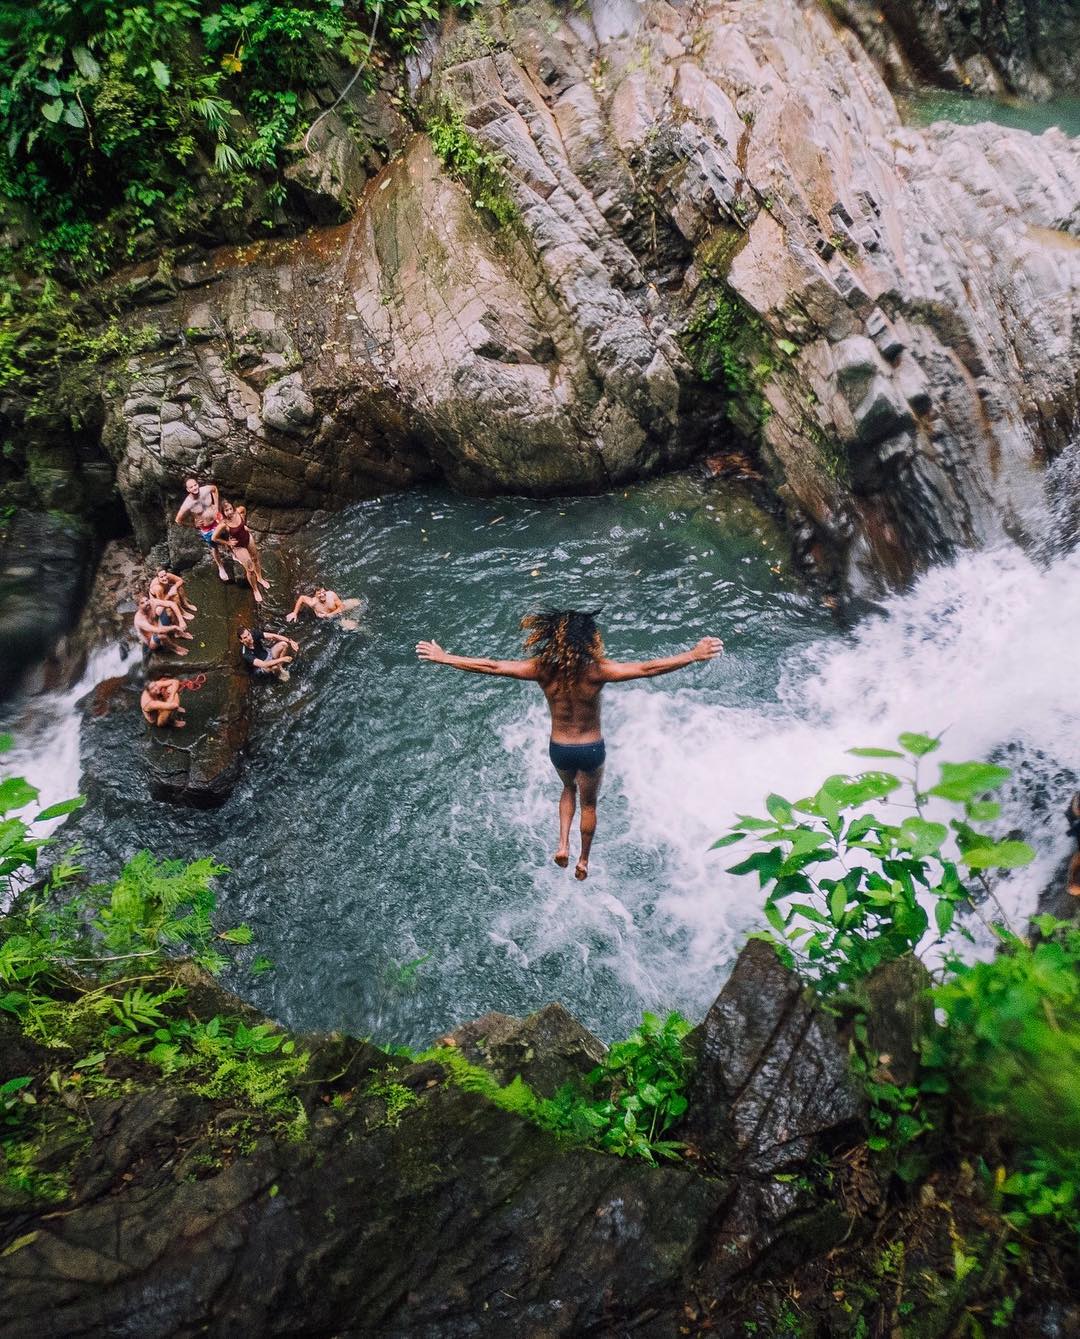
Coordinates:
405 1204
712 229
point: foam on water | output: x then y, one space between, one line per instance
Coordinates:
977 649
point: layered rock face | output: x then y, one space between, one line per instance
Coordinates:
1029 47
723 233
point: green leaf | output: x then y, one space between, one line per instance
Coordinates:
85 63
944 914
837 903
963 781
7 743
58 810
918 745
161 74
240 934
775 918
73 116
52 111
786 346
982 811
875 753
729 840
779 808
1002 855
15 793
922 837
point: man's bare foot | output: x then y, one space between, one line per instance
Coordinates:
180 650
192 609
179 724
263 582
562 859
258 596
223 574
581 872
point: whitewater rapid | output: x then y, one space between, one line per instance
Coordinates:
977 650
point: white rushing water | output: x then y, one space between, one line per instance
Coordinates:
46 734
977 649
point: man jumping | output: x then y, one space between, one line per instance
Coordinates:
570 666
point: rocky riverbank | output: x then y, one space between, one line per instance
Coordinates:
400 1202
603 242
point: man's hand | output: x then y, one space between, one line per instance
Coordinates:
707 648
431 651
291 618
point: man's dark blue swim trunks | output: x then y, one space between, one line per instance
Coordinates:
577 757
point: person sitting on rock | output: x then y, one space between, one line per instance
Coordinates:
167 612
158 632
323 604
267 653
201 508
233 531
570 666
167 585
160 703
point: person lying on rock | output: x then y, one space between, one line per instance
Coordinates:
234 533
323 604
157 633
570 666
266 653
200 507
160 703
167 585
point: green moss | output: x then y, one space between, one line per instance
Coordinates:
477 168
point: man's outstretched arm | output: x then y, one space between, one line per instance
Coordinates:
508 669
618 671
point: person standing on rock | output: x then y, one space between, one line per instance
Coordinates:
160 703
201 508
570 666
233 531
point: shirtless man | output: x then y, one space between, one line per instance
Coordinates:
323 604
570 666
201 507
160 703
156 633
168 586
266 653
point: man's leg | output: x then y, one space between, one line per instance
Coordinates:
567 804
589 784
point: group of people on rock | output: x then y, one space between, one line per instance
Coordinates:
163 613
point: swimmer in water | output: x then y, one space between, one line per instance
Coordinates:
323 604
569 664
266 654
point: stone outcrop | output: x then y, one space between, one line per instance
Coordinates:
453 1218
200 764
721 231
1025 47
45 564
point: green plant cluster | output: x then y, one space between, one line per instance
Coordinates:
120 119
730 347
96 978
847 884
859 874
477 168
625 1106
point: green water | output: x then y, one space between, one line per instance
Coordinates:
965 109
392 811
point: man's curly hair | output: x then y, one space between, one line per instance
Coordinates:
564 642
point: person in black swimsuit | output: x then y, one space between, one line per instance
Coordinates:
266 654
569 664
234 532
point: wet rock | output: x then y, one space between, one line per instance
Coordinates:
898 1011
548 1049
46 562
772 1081
199 765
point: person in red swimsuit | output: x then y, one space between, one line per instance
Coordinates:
234 532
